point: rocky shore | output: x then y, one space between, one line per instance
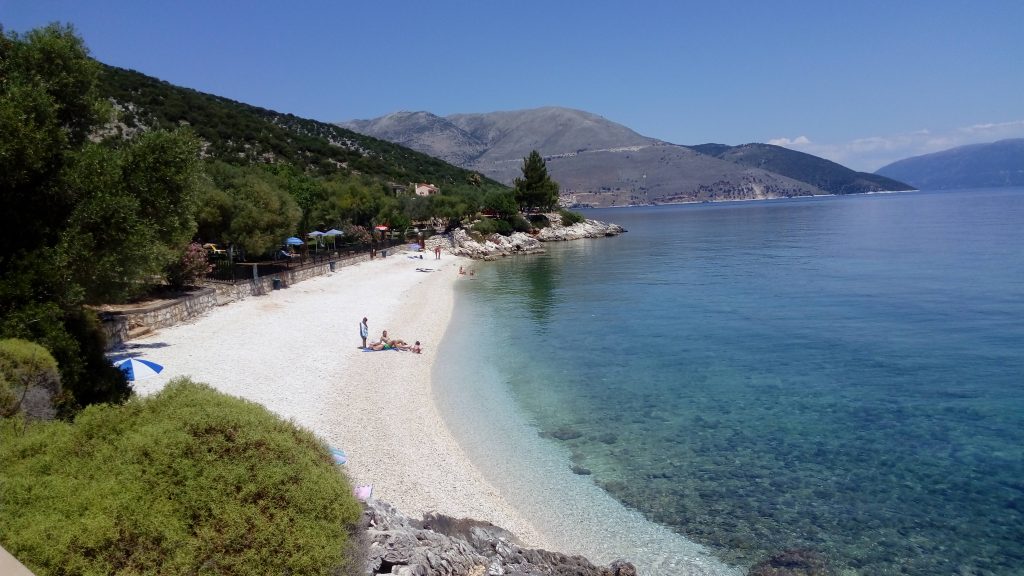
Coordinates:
439 545
462 243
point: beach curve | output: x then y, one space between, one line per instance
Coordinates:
297 352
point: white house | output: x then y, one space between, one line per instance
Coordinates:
426 189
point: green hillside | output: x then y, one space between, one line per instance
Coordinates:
241 134
825 174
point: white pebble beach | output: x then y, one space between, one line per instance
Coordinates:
297 352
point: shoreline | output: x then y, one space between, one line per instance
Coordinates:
297 352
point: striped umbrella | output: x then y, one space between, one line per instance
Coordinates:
137 368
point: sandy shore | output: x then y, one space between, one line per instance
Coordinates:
296 351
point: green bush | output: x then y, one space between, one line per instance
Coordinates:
487 226
29 380
521 224
569 217
188 481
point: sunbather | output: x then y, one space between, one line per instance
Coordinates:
386 343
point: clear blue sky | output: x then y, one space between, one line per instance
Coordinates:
862 83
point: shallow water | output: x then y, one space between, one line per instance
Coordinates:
841 374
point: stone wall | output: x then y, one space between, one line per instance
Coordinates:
125 323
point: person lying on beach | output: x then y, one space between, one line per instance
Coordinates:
402 345
386 343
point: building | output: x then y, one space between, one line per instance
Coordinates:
423 189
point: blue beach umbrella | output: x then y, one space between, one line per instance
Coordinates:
293 241
137 369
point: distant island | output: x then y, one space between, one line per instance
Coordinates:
992 165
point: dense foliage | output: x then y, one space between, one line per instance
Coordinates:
536 189
185 481
88 222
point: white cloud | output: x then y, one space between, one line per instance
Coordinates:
873 152
798 141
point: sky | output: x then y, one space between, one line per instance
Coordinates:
862 83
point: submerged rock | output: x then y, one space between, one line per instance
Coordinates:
793 562
439 545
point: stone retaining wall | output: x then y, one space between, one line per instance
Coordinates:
126 323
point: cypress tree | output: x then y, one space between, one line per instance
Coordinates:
535 189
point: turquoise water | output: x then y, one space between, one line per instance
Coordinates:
838 374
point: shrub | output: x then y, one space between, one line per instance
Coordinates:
539 221
29 380
487 226
192 267
569 217
521 224
357 234
186 481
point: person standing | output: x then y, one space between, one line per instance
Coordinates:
437 252
364 331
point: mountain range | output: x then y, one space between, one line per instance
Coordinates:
991 165
601 163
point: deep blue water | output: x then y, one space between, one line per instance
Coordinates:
838 374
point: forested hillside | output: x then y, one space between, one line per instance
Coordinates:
238 133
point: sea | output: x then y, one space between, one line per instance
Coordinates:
841 377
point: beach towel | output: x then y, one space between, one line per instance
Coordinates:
338 455
363 492
382 350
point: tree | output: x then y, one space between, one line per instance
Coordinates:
535 189
48 103
87 222
501 203
263 215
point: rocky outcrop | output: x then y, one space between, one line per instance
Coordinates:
461 243
442 546
585 229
